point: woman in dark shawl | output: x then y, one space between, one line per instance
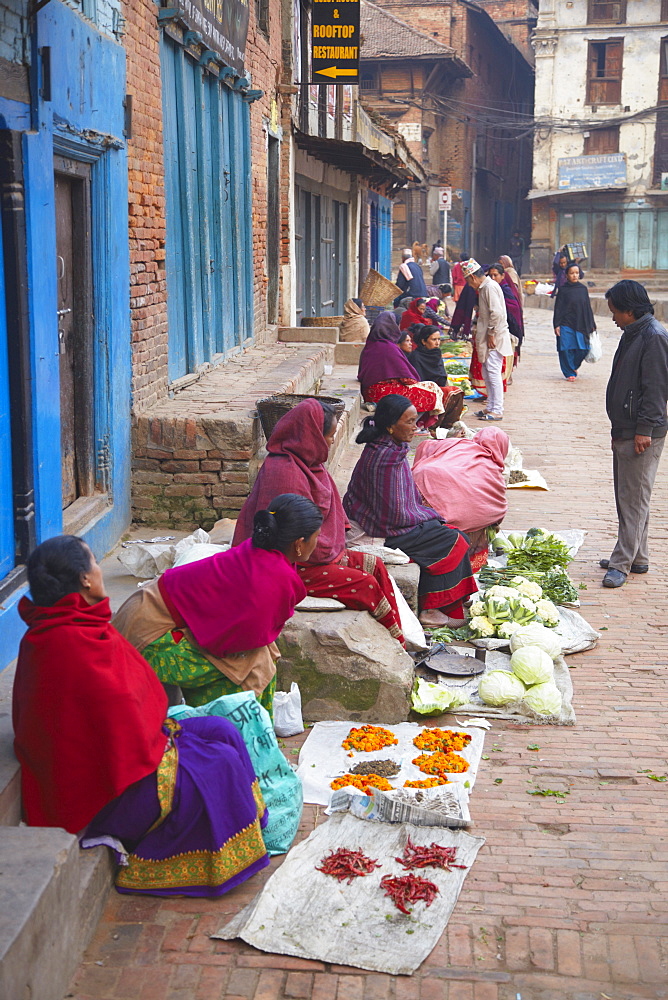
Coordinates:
383 499
298 448
513 305
427 358
460 324
573 323
384 369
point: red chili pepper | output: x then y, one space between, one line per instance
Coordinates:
408 889
433 856
345 864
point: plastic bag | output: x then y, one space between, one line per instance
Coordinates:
288 712
595 348
410 624
279 784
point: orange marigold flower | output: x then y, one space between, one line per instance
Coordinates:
441 739
427 782
362 781
369 739
441 763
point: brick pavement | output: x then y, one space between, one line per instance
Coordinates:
566 899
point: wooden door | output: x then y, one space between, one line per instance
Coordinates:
75 333
604 253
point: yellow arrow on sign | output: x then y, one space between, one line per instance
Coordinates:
334 71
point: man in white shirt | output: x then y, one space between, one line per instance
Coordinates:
492 336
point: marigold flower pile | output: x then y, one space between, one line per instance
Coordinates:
369 739
427 782
441 763
441 739
362 781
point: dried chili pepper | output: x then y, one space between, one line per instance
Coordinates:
406 889
346 864
433 856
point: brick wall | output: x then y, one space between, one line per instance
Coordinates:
14 31
146 197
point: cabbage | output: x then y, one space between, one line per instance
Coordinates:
532 665
477 608
536 634
482 627
507 629
547 613
545 699
434 699
498 610
499 687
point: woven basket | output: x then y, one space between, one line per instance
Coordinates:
272 408
377 290
322 321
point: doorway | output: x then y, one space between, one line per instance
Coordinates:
605 241
75 328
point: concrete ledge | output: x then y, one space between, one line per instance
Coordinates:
308 334
347 353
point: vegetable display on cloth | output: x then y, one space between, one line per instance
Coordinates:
441 739
433 856
406 889
500 687
531 681
556 584
347 865
536 634
362 782
441 763
368 739
501 610
538 550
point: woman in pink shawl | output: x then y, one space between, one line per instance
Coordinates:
298 448
463 481
210 627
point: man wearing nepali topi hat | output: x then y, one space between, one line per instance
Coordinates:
492 336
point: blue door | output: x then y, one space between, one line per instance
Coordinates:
208 194
6 499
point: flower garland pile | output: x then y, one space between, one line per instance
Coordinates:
441 739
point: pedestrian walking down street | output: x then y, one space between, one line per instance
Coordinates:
492 337
573 322
439 270
517 246
410 278
636 404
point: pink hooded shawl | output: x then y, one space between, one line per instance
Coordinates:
463 480
236 600
297 450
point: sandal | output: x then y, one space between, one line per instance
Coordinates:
487 416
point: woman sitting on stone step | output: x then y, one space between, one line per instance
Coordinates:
383 499
178 803
298 448
210 626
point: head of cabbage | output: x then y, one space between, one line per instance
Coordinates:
532 665
535 634
544 699
499 687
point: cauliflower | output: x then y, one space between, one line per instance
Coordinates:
477 608
531 590
507 629
548 613
500 593
523 610
498 610
482 626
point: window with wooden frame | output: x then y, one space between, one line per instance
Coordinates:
604 72
664 10
663 72
606 12
602 140
262 15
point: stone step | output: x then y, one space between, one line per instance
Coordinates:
308 334
347 353
51 898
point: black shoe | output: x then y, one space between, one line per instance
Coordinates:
614 578
635 567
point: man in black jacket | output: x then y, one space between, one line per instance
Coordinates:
636 403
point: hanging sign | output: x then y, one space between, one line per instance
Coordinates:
335 41
223 25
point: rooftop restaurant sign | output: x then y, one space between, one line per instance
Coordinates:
335 41
223 25
587 173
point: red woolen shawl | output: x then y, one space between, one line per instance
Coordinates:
235 600
88 713
297 450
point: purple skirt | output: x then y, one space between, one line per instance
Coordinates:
193 827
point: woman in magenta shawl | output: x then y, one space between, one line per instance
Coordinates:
384 369
298 448
211 626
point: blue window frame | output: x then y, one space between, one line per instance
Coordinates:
6 499
208 212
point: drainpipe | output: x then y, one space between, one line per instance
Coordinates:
472 247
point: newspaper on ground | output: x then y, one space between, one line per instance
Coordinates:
305 913
445 805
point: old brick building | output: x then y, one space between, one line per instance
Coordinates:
471 123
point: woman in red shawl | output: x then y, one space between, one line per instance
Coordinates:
210 626
463 481
414 314
179 803
298 448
